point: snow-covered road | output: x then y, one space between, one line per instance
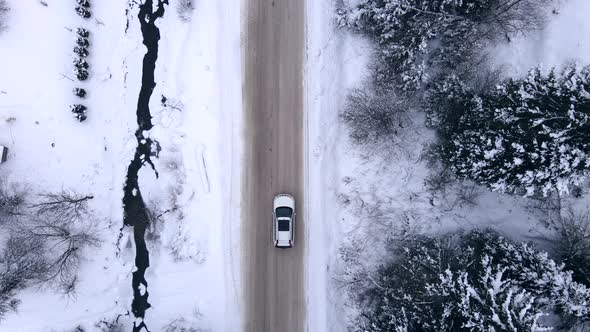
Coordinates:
273 291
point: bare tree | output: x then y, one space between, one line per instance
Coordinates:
571 240
375 121
12 201
4 9
65 206
64 243
22 262
572 244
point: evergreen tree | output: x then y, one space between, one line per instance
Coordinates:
81 74
418 40
478 281
83 3
81 51
83 11
82 32
529 135
82 42
79 92
79 111
80 63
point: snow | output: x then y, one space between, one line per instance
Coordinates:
194 266
49 150
561 41
358 201
335 62
199 68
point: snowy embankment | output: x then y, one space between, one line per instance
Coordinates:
357 200
335 62
193 273
50 150
194 266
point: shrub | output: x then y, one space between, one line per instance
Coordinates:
82 42
83 3
79 111
184 9
83 11
81 51
4 9
82 32
375 120
79 92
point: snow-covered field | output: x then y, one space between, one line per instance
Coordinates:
361 201
194 264
193 271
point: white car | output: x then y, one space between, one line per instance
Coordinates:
283 221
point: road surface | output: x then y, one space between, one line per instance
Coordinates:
273 279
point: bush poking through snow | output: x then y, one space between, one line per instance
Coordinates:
83 3
4 9
82 32
528 136
375 121
79 92
81 51
184 9
83 12
82 42
79 111
572 244
81 74
477 281
80 63
81 69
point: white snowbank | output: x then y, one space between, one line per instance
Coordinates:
335 62
563 40
199 71
355 199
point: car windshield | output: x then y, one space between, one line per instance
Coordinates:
284 211
283 225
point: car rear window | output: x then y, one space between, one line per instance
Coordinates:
283 225
284 211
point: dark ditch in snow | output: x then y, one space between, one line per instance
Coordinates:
135 214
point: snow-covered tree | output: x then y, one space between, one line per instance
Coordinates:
83 11
529 135
80 63
418 39
82 32
4 9
81 51
83 3
79 92
375 121
82 42
81 74
79 111
477 281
